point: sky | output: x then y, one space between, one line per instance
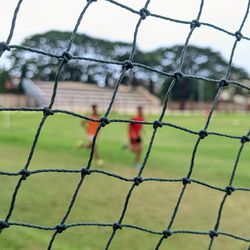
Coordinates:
105 20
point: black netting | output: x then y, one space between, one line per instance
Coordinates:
126 65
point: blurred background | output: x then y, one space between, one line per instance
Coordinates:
107 34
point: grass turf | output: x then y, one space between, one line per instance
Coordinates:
44 198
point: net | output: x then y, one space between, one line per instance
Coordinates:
85 172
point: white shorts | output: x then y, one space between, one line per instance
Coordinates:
90 138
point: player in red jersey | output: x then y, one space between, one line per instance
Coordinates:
91 128
134 134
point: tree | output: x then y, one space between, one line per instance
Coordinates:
4 77
198 61
45 68
7 85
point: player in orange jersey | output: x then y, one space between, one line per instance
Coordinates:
91 128
135 137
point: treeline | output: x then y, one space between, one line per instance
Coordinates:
198 61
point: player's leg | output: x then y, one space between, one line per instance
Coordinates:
136 148
99 161
137 151
90 141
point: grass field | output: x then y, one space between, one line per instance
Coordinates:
44 198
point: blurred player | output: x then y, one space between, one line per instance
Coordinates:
135 137
91 128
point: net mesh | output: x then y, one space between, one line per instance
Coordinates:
127 65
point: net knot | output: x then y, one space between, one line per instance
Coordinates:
144 13
229 190
186 181
223 83
166 233
116 226
157 124
25 173
238 35
203 134
85 171
47 111
127 64
60 228
195 24
178 75
244 139
66 56
3 224
104 121
213 234
138 180
4 47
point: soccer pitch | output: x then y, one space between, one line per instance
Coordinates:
44 198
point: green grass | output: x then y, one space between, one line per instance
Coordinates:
43 198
